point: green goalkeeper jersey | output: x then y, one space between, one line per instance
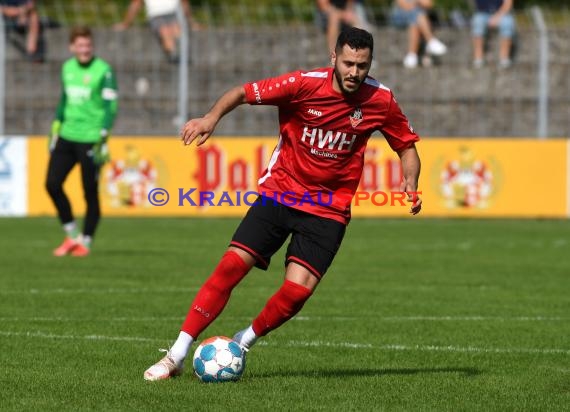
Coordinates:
88 101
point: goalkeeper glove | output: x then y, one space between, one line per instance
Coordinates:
54 134
101 149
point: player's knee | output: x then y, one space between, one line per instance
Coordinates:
91 196
230 271
53 186
93 210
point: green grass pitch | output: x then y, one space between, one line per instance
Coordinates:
414 314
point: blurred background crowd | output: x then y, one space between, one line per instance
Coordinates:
459 68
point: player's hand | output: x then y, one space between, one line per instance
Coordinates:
412 197
53 135
199 129
416 202
101 153
101 149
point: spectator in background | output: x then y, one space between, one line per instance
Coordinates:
22 17
493 14
362 21
413 15
337 15
161 15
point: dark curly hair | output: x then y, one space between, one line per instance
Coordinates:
355 39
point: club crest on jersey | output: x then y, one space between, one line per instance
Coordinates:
356 117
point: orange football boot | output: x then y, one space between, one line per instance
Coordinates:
66 247
80 250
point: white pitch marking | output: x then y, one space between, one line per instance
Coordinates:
302 319
318 343
440 318
452 348
559 242
425 348
97 291
91 320
39 334
293 343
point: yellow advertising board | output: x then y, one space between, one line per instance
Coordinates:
495 177
147 170
151 176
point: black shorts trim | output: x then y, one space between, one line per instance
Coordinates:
306 265
262 263
313 240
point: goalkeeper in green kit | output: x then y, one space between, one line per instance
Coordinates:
79 134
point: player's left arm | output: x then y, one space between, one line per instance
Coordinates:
402 138
411 166
109 97
109 94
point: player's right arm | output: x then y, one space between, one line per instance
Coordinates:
202 128
58 120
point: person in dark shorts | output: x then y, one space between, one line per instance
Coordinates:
326 117
84 117
21 18
161 16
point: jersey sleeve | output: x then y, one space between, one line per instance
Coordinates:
60 109
109 94
397 129
273 91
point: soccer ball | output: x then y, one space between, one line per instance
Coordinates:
219 359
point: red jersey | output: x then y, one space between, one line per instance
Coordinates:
323 136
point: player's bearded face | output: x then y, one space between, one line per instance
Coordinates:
82 48
351 67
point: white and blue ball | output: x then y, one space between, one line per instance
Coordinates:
219 359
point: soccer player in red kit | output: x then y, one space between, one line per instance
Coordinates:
325 118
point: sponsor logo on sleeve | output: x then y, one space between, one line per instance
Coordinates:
257 93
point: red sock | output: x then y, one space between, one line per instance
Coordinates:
214 294
281 307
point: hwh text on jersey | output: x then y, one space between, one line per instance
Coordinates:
328 138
